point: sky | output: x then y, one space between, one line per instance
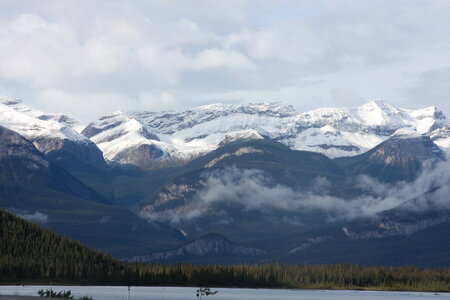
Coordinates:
88 58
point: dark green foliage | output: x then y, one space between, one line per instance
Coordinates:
52 294
30 253
60 295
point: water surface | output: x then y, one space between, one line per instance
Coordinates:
185 293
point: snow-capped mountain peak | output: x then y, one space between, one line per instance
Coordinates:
155 139
34 124
441 137
49 132
180 135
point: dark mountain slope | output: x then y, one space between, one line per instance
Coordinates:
33 186
30 252
210 247
24 169
261 163
414 239
293 168
122 185
399 158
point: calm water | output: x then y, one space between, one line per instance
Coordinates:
182 293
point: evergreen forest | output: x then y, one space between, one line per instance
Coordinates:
31 254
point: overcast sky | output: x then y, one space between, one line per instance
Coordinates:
90 58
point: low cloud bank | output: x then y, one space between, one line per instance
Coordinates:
256 190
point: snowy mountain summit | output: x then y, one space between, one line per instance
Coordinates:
167 138
48 131
155 139
34 124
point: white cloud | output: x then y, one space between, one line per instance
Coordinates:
88 105
157 102
292 43
255 190
216 58
308 53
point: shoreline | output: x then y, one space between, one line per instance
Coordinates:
360 289
17 297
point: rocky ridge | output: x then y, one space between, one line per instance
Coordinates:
49 131
211 244
174 137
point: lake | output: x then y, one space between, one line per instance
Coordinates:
184 293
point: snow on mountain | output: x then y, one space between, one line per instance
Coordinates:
34 124
441 137
49 131
177 136
339 132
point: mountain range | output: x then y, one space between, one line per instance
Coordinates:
236 183
174 137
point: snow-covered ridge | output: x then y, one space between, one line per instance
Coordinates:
155 139
441 137
184 134
34 124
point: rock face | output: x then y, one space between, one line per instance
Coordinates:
49 132
209 245
399 158
180 136
24 171
16 146
402 150
391 238
86 152
384 227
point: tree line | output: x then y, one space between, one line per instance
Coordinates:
31 254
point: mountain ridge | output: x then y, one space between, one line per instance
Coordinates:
153 140
175 137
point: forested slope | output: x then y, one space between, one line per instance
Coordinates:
29 253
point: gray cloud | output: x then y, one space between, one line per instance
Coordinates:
36 217
254 190
89 58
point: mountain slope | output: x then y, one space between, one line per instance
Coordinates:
394 238
259 193
211 247
399 158
30 252
441 137
154 139
32 186
49 132
24 168
251 182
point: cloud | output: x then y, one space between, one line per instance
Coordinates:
254 190
308 53
161 101
294 43
36 217
87 105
